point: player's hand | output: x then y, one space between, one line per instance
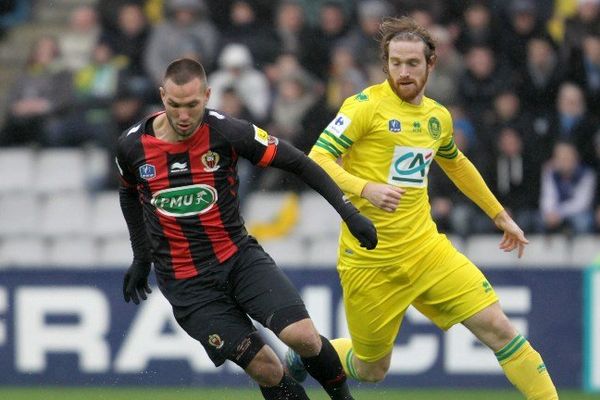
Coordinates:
513 238
384 196
363 229
135 281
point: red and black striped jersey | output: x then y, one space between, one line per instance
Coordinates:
188 190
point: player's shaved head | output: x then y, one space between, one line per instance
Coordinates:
183 70
404 28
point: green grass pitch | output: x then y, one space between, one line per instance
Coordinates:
103 393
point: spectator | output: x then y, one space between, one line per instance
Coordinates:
292 31
586 19
39 95
332 28
443 80
361 39
507 112
186 31
523 24
95 88
481 81
236 70
514 178
478 28
567 192
343 66
541 76
293 98
244 28
586 68
572 121
79 40
130 36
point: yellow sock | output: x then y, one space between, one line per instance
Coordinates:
343 346
524 368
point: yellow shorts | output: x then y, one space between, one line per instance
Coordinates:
441 283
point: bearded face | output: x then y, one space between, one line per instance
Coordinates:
408 70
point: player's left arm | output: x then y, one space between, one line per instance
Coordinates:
290 159
466 177
265 150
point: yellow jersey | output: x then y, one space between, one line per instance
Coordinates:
381 138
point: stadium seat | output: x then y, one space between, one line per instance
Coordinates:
318 219
484 252
72 251
61 169
107 218
17 169
23 251
288 252
323 252
584 250
546 251
262 206
115 252
18 213
65 213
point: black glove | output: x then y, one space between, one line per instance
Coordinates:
363 229
136 281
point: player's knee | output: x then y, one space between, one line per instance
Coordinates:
265 368
372 373
303 338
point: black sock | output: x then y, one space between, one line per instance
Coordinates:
287 389
327 369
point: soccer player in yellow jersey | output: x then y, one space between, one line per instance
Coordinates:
387 137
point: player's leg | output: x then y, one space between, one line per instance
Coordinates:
267 295
316 356
204 308
458 292
522 365
226 333
375 300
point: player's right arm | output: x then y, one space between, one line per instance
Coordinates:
336 139
135 281
382 195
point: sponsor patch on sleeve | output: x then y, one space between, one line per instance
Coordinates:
261 136
339 125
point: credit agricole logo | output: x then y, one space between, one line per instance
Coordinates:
185 200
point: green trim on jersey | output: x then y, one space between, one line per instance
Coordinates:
322 143
448 146
339 140
449 156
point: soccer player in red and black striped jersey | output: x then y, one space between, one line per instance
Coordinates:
179 199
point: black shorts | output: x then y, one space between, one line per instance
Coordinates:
214 307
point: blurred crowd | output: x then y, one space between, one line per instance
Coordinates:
520 77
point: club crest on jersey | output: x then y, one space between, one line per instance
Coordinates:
434 127
147 171
394 125
210 159
216 341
